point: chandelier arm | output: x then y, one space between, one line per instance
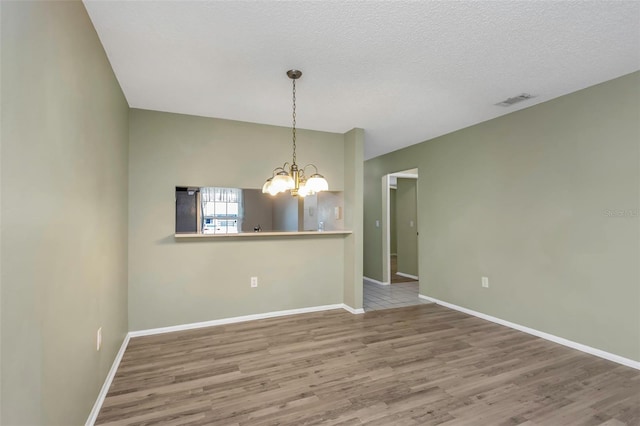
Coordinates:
311 165
278 169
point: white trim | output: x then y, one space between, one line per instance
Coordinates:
402 274
93 415
371 280
355 311
430 299
560 340
404 175
233 320
386 229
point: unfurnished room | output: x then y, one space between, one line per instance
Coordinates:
253 213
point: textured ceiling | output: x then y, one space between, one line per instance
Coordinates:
404 71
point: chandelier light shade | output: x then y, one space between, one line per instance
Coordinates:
317 183
282 181
290 177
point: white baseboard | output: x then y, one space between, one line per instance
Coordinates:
371 280
352 310
233 320
561 340
93 415
402 274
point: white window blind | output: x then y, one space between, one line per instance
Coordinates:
221 210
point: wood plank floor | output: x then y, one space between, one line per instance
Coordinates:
418 365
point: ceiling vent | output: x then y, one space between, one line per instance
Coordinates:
510 101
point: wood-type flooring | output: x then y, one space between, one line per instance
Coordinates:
418 365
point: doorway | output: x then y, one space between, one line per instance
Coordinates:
400 285
400 227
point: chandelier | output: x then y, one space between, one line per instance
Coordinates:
290 177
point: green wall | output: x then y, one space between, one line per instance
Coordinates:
353 211
64 213
177 282
543 201
406 214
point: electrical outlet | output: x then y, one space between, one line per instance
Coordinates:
254 281
99 339
485 282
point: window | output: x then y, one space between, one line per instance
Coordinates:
221 210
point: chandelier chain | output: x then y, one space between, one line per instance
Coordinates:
294 121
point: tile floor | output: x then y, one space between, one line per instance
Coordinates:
378 296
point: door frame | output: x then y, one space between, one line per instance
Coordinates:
386 216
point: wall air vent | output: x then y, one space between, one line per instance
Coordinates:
515 100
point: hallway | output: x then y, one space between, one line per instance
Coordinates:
399 295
